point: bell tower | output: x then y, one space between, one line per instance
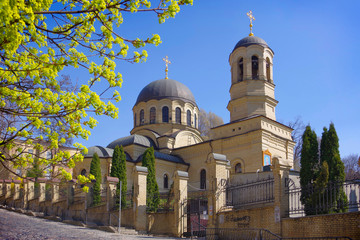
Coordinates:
252 86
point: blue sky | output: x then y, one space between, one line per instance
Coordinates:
316 62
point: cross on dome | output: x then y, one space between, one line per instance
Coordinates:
167 61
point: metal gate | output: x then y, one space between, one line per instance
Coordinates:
196 210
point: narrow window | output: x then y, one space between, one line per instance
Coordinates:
142 120
188 118
48 155
203 179
255 67
241 70
195 121
165 114
238 168
152 115
178 115
166 181
135 120
268 69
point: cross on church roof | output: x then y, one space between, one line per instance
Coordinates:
251 17
167 61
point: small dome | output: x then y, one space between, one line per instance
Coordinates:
101 152
250 40
166 88
132 139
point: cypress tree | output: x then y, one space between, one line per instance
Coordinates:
152 188
118 169
309 163
95 169
330 154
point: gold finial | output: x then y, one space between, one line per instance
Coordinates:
167 61
251 17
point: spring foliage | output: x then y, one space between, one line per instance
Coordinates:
95 170
152 188
118 169
38 40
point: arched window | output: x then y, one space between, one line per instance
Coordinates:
241 70
142 120
188 118
203 179
238 168
166 181
165 114
83 172
268 69
135 120
152 115
255 67
195 121
178 115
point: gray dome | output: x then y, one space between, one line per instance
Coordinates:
166 88
101 152
132 139
250 40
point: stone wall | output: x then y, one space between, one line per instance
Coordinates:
161 223
259 217
329 225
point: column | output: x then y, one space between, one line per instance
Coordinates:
55 188
140 218
180 196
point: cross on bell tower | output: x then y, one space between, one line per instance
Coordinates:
251 17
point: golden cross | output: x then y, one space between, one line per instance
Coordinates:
251 17
167 61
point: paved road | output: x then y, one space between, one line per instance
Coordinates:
20 226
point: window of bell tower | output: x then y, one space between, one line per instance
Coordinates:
268 69
241 70
188 118
255 67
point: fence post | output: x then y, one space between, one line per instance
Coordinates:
111 192
140 217
281 199
42 183
218 175
55 189
180 196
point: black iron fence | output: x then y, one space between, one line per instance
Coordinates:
244 195
160 202
331 198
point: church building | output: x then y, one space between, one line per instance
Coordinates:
166 118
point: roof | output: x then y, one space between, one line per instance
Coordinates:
101 152
165 157
251 40
132 139
166 89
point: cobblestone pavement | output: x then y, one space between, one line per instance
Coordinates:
20 226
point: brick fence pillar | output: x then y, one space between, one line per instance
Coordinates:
111 183
42 190
218 177
180 196
140 218
281 200
55 189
